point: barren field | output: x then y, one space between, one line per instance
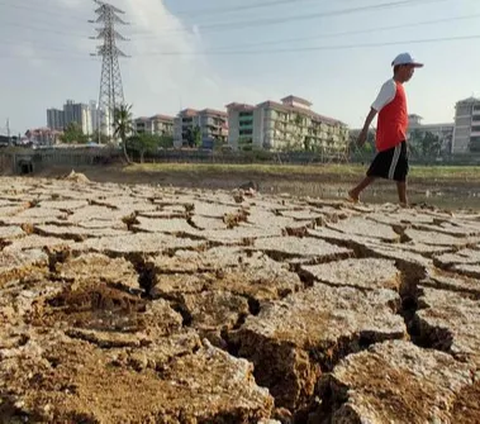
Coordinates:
444 187
147 304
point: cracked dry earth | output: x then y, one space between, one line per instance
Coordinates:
140 304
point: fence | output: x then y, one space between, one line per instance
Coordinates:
232 157
23 161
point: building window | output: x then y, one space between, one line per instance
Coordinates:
246 132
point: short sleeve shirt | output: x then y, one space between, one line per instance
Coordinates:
385 96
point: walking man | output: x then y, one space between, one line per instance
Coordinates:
391 161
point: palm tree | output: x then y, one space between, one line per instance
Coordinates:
122 125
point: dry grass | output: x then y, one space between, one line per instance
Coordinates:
343 172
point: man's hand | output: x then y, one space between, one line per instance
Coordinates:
362 137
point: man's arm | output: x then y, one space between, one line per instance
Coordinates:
386 95
362 137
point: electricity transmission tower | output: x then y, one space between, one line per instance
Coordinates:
111 87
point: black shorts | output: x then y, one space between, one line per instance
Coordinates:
391 164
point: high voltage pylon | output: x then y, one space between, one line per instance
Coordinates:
111 87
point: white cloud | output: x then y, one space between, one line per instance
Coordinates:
156 83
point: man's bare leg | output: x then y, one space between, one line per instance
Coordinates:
402 193
355 193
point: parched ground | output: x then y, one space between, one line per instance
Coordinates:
141 304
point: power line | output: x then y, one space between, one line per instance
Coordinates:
304 17
353 32
312 49
224 10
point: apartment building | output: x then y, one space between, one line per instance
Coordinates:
157 124
86 116
55 119
466 136
210 125
444 131
283 126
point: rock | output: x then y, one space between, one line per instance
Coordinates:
449 322
18 264
93 266
394 382
213 312
77 178
371 274
75 379
291 342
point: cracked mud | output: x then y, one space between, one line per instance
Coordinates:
140 304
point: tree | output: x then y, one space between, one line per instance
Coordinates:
194 136
73 134
431 145
165 141
100 138
122 126
425 144
144 143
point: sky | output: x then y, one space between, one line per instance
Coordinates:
191 53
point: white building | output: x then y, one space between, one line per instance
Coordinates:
289 125
211 124
55 119
157 124
466 137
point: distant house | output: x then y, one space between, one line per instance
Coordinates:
157 124
43 136
211 124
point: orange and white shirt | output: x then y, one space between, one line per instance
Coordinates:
391 105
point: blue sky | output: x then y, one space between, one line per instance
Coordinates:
182 54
